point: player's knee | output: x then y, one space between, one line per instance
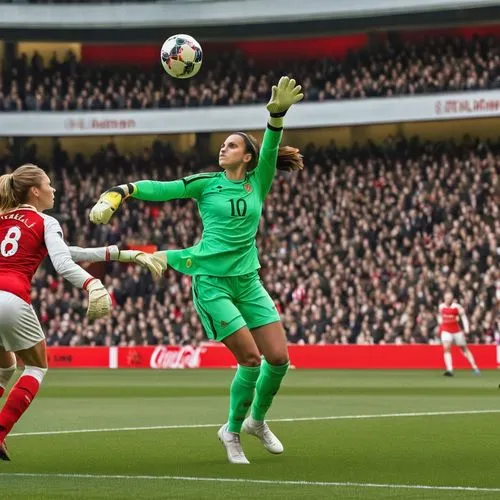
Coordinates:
278 359
249 359
36 372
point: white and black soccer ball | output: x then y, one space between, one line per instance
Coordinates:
181 56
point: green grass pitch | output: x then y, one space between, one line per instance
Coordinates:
347 434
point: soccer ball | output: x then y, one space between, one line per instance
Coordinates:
181 56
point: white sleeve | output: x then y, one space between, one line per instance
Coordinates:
100 254
60 255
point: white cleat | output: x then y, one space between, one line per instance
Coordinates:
231 441
261 430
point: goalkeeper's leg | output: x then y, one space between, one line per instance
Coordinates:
222 321
259 310
243 347
271 340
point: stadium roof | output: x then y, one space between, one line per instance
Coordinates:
221 19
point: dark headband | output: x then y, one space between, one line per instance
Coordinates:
11 181
249 144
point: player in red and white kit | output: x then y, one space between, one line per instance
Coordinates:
26 237
451 332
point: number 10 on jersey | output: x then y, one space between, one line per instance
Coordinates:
238 207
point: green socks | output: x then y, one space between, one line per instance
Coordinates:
266 388
264 381
241 395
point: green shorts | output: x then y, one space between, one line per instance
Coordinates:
225 304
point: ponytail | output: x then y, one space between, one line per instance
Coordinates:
15 187
8 199
289 158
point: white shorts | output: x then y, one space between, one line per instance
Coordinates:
19 325
453 338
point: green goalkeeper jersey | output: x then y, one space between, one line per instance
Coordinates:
230 212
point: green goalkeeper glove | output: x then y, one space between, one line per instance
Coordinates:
109 202
284 95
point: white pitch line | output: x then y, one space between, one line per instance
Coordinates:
258 481
298 419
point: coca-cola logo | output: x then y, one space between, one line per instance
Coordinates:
176 357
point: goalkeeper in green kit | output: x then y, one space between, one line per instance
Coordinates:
228 295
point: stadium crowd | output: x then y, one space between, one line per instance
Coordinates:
396 68
357 248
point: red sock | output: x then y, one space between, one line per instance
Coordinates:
20 397
2 390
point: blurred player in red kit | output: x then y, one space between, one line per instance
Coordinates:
451 332
27 236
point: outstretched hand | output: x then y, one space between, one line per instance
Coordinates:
109 202
107 205
284 95
156 263
100 303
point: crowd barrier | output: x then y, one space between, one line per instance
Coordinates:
348 112
419 356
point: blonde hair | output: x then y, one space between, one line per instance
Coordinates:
15 187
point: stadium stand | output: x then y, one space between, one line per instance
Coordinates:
396 68
358 249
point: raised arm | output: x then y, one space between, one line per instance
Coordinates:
110 201
283 96
268 157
